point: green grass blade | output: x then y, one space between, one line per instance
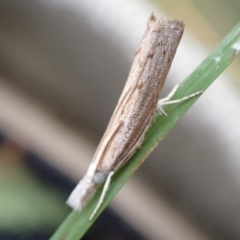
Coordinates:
75 226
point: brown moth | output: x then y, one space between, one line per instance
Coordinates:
135 108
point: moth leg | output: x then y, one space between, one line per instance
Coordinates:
167 101
170 94
161 102
105 188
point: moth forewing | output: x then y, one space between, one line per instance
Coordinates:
135 108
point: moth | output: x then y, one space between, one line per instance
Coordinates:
135 109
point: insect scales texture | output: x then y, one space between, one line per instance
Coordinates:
135 108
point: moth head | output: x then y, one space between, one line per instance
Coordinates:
99 178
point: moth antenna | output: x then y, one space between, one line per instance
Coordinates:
105 188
